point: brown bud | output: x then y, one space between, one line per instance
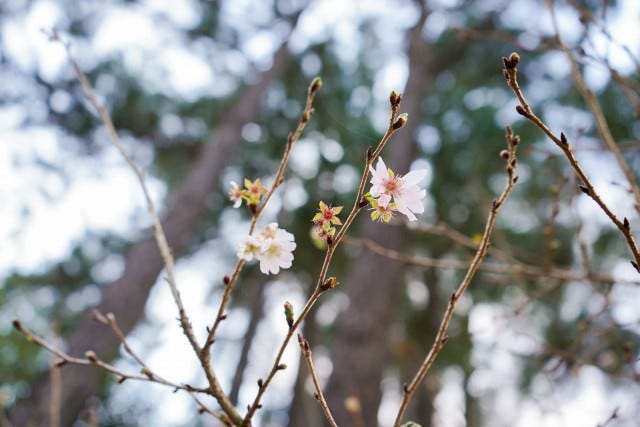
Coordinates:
504 154
330 283
91 356
563 138
515 58
395 98
584 189
520 109
635 265
400 121
282 366
625 223
226 280
512 61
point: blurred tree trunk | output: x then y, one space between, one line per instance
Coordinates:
127 296
360 349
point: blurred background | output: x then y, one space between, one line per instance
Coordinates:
205 92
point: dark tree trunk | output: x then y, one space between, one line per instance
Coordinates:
127 296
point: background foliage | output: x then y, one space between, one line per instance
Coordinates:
521 348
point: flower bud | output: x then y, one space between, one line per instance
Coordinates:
400 121
315 85
288 313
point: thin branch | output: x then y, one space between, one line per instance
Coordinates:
158 232
91 359
614 415
306 352
323 284
441 336
230 282
55 401
510 73
215 388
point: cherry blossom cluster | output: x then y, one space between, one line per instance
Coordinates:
251 193
325 220
273 248
403 190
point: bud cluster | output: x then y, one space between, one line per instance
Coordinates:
251 193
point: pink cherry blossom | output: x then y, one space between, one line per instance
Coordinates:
404 190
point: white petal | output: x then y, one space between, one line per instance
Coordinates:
414 177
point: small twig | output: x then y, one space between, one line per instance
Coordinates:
55 400
394 124
441 336
614 415
306 352
91 359
110 321
510 73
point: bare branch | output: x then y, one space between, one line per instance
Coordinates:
441 336
510 73
306 352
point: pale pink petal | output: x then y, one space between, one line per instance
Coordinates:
384 200
414 177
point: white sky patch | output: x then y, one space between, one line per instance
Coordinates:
184 13
25 44
188 74
126 27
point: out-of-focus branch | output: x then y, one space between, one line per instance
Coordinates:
510 73
594 106
516 269
441 337
158 233
55 403
306 352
